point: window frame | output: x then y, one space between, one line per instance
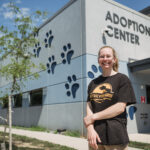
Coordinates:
33 95
14 98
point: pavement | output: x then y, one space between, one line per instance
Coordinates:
77 143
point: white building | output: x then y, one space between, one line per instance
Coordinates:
69 44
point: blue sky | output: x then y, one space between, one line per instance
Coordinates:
27 6
135 4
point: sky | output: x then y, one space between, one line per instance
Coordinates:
135 4
52 6
29 6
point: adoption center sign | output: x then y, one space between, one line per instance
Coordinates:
126 23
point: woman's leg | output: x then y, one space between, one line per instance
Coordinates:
116 147
100 147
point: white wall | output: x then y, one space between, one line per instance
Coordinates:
96 12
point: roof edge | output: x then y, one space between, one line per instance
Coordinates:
139 62
128 9
139 65
57 13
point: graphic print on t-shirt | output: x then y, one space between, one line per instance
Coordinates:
102 93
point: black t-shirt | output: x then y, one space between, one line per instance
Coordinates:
104 92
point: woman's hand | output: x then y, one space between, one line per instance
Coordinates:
93 137
88 120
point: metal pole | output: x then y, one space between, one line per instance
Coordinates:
10 123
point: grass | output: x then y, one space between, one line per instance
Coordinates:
37 128
72 133
32 128
140 145
145 146
26 143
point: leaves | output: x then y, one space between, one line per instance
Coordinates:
14 48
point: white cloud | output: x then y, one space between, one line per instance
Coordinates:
7 12
8 15
5 5
18 1
25 11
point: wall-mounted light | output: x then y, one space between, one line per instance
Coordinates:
131 60
105 30
142 87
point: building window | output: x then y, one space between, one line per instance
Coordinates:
5 102
148 93
18 100
36 97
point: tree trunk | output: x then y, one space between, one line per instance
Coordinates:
10 123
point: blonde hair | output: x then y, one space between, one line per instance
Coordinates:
116 64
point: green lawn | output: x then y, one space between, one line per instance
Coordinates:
26 143
140 145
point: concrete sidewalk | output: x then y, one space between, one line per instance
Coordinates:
77 143
144 138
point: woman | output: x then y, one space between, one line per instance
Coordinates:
108 96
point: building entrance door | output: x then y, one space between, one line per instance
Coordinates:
148 93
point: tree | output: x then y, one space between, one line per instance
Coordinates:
14 46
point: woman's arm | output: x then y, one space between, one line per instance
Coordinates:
89 109
110 112
91 133
89 112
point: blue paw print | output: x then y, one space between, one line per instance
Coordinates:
67 54
37 49
72 89
49 38
51 65
132 110
94 70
